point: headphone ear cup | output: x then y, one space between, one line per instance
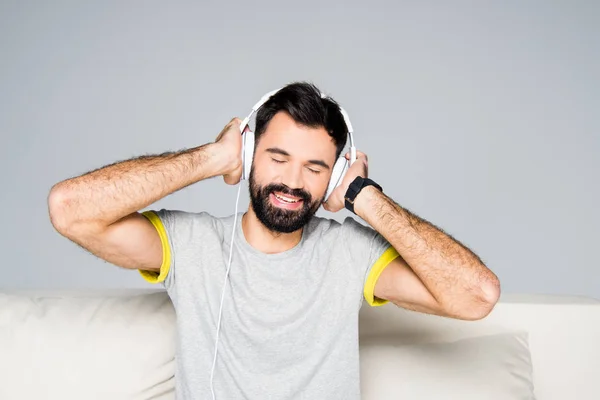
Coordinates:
247 153
337 175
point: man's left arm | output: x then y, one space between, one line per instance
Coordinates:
434 273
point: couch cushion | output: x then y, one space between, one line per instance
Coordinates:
563 334
494 367
76 346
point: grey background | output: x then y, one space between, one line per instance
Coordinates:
481 117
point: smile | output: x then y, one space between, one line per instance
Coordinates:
286 199
282 201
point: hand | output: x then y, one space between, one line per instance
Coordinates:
359 168
229 142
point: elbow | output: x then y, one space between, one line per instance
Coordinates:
490 290
476 302
68 214
58 206
485 297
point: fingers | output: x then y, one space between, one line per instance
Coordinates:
330 208
327 207
233 178
235 121
359 155
231 124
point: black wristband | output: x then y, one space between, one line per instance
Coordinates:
354 189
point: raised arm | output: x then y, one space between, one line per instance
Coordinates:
99 210
432 272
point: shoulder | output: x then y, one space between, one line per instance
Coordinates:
349 227
319 226
179 215
353 227
181 222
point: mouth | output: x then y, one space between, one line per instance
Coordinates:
285 201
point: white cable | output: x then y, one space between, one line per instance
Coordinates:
223 292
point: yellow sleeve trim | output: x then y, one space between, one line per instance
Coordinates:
152 276
388 256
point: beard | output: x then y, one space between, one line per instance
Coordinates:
279 219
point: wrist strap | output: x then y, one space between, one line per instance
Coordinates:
358 184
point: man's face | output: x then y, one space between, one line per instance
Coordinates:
291 168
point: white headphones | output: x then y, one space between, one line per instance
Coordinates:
339 169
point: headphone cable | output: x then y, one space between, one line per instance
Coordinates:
223 292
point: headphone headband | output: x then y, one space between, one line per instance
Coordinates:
267 96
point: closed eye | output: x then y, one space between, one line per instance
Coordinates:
312 170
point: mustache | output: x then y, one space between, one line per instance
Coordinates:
277 187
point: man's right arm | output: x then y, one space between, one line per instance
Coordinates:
100 209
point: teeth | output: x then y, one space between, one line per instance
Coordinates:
286 199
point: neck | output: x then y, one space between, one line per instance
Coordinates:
265 240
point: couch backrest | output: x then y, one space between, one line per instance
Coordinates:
564 336
72 345
120 343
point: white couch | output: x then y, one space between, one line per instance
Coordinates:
119 344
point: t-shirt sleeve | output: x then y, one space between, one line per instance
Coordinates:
370 253
165 223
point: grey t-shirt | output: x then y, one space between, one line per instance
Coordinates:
289 328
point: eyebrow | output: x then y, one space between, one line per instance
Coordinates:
277 150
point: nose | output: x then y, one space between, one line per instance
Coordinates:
293 177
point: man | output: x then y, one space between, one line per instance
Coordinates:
297 281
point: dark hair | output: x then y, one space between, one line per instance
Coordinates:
303 102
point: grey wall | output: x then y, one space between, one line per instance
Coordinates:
482 119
